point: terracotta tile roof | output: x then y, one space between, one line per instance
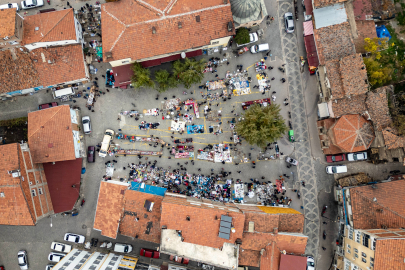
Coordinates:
53 26
389 254
127 26
50 135
354 75
334 42
134 207
203 226
15 61
7 22
270 260
335 79
249 257
324 3
383 10
384 210
365 29
352 133
361 9
377 106
289 262
110 208
392 139
14 209
67 64
353 105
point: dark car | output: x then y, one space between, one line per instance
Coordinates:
90 154
47 105
150 253
335 158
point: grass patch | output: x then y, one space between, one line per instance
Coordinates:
16 122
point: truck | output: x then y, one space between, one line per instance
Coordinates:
105 145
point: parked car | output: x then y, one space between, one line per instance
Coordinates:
124 248
75 238
90 154
49 266
260 48
86 124
289 23
31 4
108 136
336 169
22 260
179 259
335 158
253 38
47 105
357 156
1 267
291 161
61 247
10 5
310 263
55 256
149 253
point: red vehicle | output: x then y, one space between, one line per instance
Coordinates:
179 259
90 154
1 267
335 158
47 105
149 253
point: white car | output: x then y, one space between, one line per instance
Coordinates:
10 5
289 23
310 263
253 38
22 260
31 4
336 169
86 124
260 48
61 247
49 266
357 156
55 257
124 248
75 238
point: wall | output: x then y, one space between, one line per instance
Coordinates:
353 241
219 42
49 44
79 33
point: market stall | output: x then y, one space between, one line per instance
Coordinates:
193 103
260 66
215 85
178 126
262 102
151 112
222 153
192 129
263 81
239 83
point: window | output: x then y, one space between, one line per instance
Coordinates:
214 42
348 251
363 260
348 246
355 255
373 245
366 238
371 264
357 236
40 191
356 250
2 195
350 233
371 259
22 177
364 255
33 192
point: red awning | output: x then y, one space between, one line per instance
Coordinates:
170 58
194 53
157 62
151 63
308 28
308 7
312 54
122 75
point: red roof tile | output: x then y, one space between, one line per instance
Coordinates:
353 105
361 9
127 26
61 176
52 26
352 133
110 208
14 209
374 208
289 262
249 257
334 42
134 202
354 75
52 126
203 226
7 22
324 3
389 254
335 79
365 29
391 138
377 106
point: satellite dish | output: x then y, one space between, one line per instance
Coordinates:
183 55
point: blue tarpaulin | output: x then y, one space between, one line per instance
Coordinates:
382 32
148 189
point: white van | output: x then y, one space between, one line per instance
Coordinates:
123 248
63 92
108 136
336 169
260 48
10 5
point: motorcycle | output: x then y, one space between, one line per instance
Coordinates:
324 210
281 69
324 235
299 194
49 2
83 201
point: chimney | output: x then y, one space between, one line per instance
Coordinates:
230 26
153 30
197 18
180 26
275 230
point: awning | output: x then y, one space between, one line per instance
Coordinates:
323 110
308 7
308 28
312 55
157 62
122 75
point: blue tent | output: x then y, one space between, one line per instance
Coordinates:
382 32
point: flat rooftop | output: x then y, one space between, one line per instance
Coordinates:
226 258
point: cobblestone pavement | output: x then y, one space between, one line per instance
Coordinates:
306 171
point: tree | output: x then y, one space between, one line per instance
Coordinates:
242 36
377 75
261 125
189 71
141 76
165 80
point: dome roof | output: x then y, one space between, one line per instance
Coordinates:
244 11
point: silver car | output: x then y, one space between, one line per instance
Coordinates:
27 4
22 259
357 156
289 23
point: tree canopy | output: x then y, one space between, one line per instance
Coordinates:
164 80
242 36
261 125
189 71
141 76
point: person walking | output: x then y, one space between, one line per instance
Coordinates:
282 80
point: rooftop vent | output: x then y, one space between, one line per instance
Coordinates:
153 30
225 2
148 205
46 155
14 173
2 195
197 18
42 126
251 226
108 54
230 26
36 28
122 192
179 24
375 199
50 145
188 218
